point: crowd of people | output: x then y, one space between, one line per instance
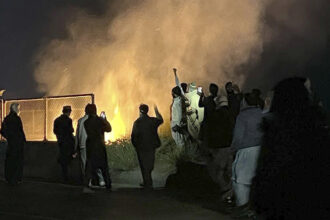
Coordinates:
269 155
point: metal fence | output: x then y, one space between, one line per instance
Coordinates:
38 114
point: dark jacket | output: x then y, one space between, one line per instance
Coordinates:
63 129
209 106
219 133
12 130
144 133
95 127
293 169
234 101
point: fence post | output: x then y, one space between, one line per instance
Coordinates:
1 116
45 120
93 98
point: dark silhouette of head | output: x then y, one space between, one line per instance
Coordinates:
251 99
88 109
67 110
229 87
176 91
184 87
144 108
92 110
214 89
291 97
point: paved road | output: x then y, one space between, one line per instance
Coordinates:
35 200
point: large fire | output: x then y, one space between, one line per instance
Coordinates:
119 128
128 59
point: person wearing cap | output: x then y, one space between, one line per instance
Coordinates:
12 130
63 129
145 139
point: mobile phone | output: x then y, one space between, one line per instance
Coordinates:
199 89
103 114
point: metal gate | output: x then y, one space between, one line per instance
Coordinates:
38 114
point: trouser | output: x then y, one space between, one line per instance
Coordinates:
83 159
92 165
146 161
65 171
219 168
244 168
242 193
65 157
14 164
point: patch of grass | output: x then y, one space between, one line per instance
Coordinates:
122 155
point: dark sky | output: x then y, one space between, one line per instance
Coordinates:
25 26
299 42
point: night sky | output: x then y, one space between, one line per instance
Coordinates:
300 42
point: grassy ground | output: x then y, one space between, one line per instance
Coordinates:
122 155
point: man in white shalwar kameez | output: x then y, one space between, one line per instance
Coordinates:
176 118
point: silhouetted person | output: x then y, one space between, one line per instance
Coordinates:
246 143
81 137
184 87
145 139
257 93
12 130
208 104
95 147
234 98
63 129
293 168
219 134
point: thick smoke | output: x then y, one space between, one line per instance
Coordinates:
126 59
296 41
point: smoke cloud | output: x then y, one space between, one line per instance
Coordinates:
127 59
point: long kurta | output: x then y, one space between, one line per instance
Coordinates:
12 130
176 119
195 114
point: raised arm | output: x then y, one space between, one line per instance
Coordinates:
158 116
106 125
177 81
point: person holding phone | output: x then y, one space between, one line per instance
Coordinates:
81 137
95 147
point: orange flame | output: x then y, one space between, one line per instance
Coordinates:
118 127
